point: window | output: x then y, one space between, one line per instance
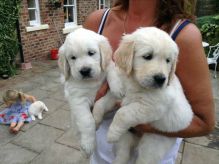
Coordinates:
104 4
34 12
70 12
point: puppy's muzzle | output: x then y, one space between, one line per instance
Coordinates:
159 80
85 72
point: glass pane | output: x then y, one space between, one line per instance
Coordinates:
71 2
69 14
68 2
31 4
102 6
32 15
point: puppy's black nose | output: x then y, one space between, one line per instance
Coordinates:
85 72
159 79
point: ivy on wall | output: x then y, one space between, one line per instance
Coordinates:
9 11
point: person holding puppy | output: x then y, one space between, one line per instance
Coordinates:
174 17
16 112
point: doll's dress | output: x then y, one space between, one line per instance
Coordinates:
17 112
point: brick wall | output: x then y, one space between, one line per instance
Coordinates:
84 8
37 44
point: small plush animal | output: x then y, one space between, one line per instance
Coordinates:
36 109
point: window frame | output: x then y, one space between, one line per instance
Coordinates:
37 20
106 4
74 5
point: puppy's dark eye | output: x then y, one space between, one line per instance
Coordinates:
73 58
148 57
91 53
167 60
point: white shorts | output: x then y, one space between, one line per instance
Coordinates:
104 152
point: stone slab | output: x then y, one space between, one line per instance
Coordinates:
199 155
53 104
60 154
26 86
70 138
6 136
50 86
38 137
13 154
60 119
39 94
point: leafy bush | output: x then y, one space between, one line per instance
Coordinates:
9 11
209 27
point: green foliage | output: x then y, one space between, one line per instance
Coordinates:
9 11
209 27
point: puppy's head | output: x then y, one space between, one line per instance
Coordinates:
84 55
149 55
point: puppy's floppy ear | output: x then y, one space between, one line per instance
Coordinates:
173 68
105 52
124 56
63 63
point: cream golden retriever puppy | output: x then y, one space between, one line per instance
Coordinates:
153 94
85 60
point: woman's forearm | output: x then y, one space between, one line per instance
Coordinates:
197 128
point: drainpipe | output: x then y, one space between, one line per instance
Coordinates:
19 40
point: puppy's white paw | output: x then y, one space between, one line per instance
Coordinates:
112 137
40 117
87 147
98 114
97 121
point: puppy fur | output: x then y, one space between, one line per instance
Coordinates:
85 61
36 109
153 94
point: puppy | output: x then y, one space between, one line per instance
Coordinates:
36 109
85 60
153 95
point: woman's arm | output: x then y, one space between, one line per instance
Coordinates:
192 70
93 20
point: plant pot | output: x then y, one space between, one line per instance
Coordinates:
5 76
54 54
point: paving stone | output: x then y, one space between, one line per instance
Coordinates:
199 154
6 136
66 106
39 94
38 137
60 119
70 138
50 86
26 86
203 141
52 73
179 158
29 125
12 154
60 154
215 86
58 94
43 80
53 104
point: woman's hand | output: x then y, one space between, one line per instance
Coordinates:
102 91
143 128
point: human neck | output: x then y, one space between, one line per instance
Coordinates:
142 8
